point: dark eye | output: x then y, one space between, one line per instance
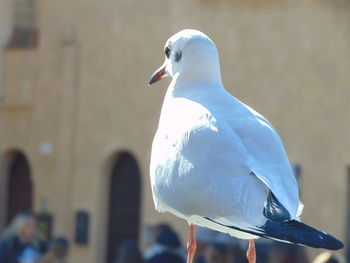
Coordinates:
167 52
178 56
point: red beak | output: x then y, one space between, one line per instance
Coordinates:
158 75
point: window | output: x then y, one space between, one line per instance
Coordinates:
24 33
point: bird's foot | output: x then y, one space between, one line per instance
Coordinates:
251 253
191 244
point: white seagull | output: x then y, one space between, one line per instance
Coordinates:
218 163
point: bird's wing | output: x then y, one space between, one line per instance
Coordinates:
268 159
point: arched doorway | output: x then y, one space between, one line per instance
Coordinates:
19 185
124 203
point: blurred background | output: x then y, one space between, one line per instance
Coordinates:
77 120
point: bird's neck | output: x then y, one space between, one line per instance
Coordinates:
184 86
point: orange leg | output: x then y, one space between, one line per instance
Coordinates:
191 244
251 253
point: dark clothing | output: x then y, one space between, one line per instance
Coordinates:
12 247
166 257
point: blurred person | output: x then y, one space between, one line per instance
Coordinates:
129 252
159 229
153 233
57 252
20 242
167 247
329 257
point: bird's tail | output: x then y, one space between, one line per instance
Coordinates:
297 232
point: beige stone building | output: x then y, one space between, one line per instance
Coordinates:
77 117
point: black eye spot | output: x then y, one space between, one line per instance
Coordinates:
178 56
167 52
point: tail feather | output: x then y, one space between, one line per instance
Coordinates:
299 233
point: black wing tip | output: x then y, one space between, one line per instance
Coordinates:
333 243
327 241
297 232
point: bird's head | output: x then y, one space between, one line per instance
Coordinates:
191 55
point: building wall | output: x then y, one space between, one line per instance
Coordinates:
84 91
